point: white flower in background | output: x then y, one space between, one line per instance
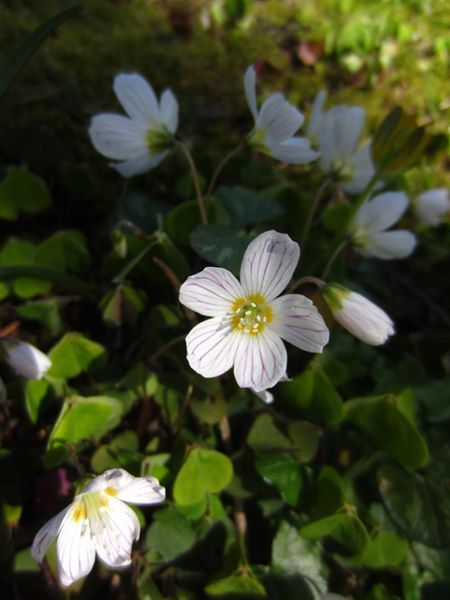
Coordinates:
24 359
97 521
248 320
432 206
358 315
141 140
336 133
275 125
368 229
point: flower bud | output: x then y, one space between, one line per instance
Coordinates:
432 206
24 359
362 318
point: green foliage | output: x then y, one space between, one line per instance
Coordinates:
21 191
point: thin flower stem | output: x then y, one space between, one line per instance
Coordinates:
196 181
313 209
120 278
307 279
332 258
219 168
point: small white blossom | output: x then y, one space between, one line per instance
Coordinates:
249 320
358 315
368 229
97 521
275 125
24 359
141 140
336 133
432 206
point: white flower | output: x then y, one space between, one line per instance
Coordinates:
275 125
361 317
248 320
97 521
337 133
369 226
141 140
24 359
432 206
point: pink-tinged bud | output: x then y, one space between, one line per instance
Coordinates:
24 359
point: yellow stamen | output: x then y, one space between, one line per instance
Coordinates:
111 491
251 314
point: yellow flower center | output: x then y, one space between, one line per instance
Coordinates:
341 170
250 315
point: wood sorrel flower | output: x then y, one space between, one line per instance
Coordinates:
336 133
141 140
248 320
24 359
368 229
97 521
358 315
431 207
275 125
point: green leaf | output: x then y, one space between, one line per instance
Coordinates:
335 216
305 439
330 492
85 418
284 473
16 61
122 451
203 472
18 253
418 504
265 435
220 244
344 528
21 191
239 586
384 551
434 398
138 209
44 311
185 217
381 421
246 207
35 392
171 533
122 305
64 251
74 354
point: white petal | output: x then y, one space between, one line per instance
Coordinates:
117 137
298 321
261 360
264 395
211 347
211 292
294 150
268 264
250 90
75 547
25 359
362 170
115 527
431 206
340 133
137 97
388 245
315 120
279 119
382 211
169 111
46 535
140 164
122 485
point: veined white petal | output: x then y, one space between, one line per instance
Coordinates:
124 486
25 359
340 133
137 97
279 119
315 120
250 90
430 207
382 211
169 111
362 169
75 546
211 292
211 347
115 527
117 137
294 150
261 360
140 164
297 320
388 245
268 264
46 535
